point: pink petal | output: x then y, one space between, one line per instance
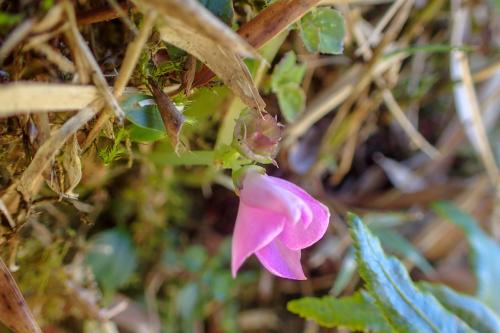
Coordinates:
297 236
255 228
258 191
317 208
281 261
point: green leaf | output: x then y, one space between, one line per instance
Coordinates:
397 244
485 256
405 307
147 124
112 258
388 219
187 300
195 258
223 9
323 30
473 312
141 134
142 111
292 100
357 312
287 71
8 19
285 82
193 157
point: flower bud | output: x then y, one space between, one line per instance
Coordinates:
257 136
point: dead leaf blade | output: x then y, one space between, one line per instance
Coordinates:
191 27
14 312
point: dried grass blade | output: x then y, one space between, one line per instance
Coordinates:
29 97
466 101
15 38
407 126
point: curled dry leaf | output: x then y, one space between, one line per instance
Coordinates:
172 118
14 312
29 184
190 26
71 173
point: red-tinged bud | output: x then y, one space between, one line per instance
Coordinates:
257 136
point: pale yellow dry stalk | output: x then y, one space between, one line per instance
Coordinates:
466 101
388 97
14 38
30 97
64 64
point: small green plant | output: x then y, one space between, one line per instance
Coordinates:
285 83
392 302
116 150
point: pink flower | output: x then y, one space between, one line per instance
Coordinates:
276 220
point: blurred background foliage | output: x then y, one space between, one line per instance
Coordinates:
371 125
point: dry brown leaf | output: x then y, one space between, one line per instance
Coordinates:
14 312
30 180
190 26
72 165
66 181
171 116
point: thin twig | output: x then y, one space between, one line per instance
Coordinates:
97 75
123 15
407 126
15 37
132 55
101 14
64 64
7 215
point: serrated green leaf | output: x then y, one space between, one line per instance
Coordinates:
398 245
323 30
405 307
473 312
223 9
292 100
485 256
356 312
112 258
287 72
